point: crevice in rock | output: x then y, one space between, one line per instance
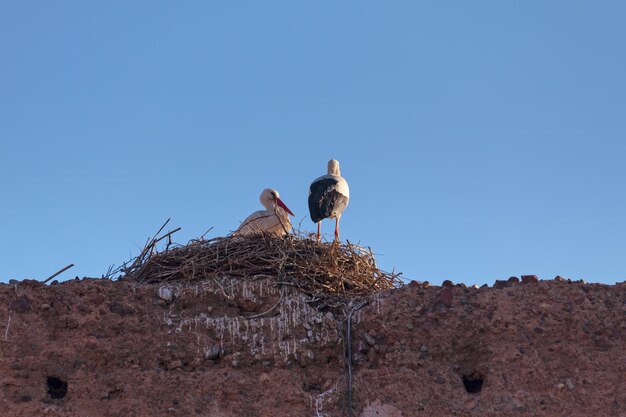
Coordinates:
57 388
473 383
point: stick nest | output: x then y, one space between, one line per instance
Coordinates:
325 271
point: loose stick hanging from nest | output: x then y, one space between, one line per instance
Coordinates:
322 270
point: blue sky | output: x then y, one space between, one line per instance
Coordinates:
480 139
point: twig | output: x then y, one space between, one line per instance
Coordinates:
162 227
282 294
6 332
166 235
205 233
148 246
57 273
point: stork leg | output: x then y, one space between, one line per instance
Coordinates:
337 228
319 231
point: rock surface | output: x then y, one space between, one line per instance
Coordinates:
231 348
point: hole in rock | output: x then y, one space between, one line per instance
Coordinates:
57 388
473 383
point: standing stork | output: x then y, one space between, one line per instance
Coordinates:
328 197
274 219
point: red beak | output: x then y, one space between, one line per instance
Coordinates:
280 203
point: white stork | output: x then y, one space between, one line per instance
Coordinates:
274 219
328 197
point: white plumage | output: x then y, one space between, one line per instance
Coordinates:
274 219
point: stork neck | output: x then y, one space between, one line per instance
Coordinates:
280 212
333 168
269 205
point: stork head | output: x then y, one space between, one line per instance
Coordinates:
333 168
270 199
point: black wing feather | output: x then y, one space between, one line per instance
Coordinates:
324 200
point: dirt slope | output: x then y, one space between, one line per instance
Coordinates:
226 348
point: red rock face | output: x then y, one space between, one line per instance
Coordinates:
529 279
229 348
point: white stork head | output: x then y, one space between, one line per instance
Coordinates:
333 168
270 199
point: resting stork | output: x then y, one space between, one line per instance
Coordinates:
274 219
328 197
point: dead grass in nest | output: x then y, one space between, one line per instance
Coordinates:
325 271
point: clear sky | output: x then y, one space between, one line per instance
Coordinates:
480 139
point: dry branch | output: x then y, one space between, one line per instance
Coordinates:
6 332
58 272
